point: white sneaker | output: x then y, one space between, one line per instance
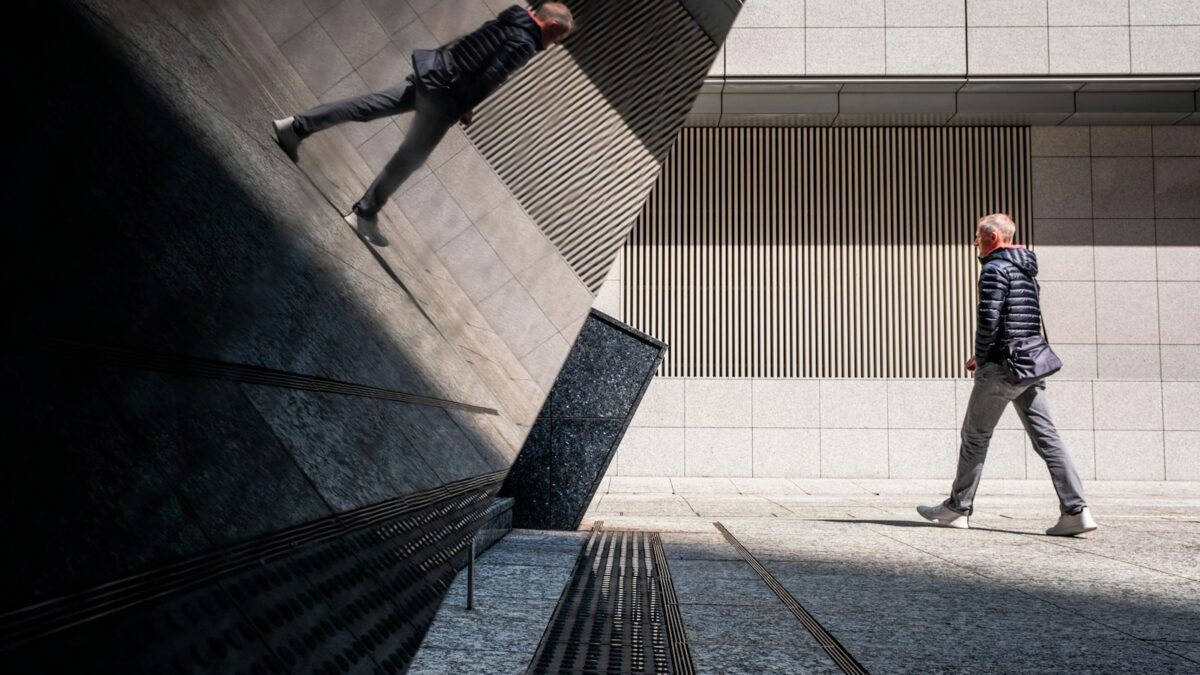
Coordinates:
1069 526
367 228
287 138
940 515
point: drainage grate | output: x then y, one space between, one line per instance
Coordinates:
617 614
836 651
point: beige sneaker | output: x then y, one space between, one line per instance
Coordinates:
367 228
1069 526
287 138
940 515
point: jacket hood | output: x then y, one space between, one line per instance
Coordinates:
518 16
1020 256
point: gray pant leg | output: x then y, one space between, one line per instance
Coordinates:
1034 409
989 396
433 119
394 100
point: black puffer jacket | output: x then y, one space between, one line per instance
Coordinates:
471 67
1008 301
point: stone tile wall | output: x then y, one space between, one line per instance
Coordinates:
1117 231
956 37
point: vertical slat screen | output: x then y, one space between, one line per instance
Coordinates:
820 252
579 134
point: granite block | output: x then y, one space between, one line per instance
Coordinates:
854 453
786 403
718 403
1127 312
844 51
1062 187
1178 243
355 31
652 452
765 51
1130 406
786 452
771 14
1007 51
1182 455
1178 312
1181 406
1177 186
854 404
925 13
718 452
662 405
1130 455
1065 249
316 58
1125 250
1092 49
1123 187
1164 50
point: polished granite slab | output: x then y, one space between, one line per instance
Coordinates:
579 428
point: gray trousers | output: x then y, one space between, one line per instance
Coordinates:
435 115
990 395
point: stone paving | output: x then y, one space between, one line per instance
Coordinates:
901 595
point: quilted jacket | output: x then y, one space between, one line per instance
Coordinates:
471 67
1009 306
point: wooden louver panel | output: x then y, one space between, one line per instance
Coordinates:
820 252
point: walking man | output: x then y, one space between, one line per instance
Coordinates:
447 83
1009 308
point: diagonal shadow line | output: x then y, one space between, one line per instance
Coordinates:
915 523
383 264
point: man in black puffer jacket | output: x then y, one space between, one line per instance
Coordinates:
446 85
1009 308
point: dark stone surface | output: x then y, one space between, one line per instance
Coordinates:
605 372
582 423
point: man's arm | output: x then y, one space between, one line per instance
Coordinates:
993 290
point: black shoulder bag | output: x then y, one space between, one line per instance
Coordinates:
1029 359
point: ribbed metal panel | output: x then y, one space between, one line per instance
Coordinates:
579 135
788 252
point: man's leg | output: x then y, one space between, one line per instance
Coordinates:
394 100
430 124
989 396
1034 409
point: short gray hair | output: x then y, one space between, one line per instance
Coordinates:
556 13
999 223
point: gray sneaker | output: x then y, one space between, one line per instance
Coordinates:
940 515
287 138
1069 526
367 228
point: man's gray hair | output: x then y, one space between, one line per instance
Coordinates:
999 223
557 13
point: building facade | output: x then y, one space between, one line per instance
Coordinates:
807 252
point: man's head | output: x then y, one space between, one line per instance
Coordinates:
993 232
555 20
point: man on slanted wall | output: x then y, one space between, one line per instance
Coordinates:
447 83
1009 308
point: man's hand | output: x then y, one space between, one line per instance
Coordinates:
467 117
971 365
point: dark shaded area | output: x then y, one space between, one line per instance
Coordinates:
581 424
359 603
133 232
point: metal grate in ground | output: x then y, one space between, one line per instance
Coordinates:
617 614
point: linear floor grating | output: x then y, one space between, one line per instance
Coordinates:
617 614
